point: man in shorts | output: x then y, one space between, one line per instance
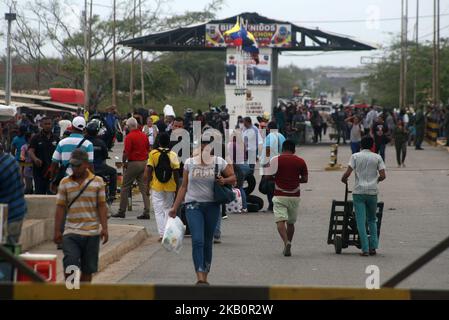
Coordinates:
81 197
288 171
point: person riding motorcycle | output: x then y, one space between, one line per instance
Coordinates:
100 156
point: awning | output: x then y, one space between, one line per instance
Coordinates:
63 95
63 107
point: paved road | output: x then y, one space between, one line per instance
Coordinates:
416 217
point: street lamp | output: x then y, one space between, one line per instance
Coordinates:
10 17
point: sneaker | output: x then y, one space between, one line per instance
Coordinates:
59 246
372 252
244 211
202 283
118 215
287 250
403 165
144 216
225 217
217 240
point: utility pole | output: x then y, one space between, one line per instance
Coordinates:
142 81
403 65
131 79
436 53
86 58
38 75
114 83
10 17
437 79
415 85
89 53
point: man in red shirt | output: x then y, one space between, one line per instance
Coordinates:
135 157
291 171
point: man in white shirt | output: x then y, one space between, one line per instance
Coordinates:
253 142
370 118
369 170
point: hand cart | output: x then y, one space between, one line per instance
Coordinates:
343 227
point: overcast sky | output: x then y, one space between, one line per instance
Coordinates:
377 21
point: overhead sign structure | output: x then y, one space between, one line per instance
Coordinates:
256 74
267 35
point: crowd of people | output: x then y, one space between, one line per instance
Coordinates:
68 156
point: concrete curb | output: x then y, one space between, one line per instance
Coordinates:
34 232
133 238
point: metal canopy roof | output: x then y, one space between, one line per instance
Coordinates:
192 38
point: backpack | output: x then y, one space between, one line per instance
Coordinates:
163 168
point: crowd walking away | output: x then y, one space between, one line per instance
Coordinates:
198 168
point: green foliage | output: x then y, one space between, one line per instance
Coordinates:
384 80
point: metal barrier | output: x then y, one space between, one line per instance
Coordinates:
35 291
432 130
20 265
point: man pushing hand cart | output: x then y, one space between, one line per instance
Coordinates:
369 170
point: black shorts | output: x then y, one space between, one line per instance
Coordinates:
81 251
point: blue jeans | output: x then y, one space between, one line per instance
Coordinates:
355 147
202 219
365 207
381 151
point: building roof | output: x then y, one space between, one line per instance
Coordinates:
193 38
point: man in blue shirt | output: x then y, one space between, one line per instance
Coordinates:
18 142
65 147
11 193
272 148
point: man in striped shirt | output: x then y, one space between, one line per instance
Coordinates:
369 170
81 197
64 149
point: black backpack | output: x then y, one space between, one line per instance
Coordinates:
163 168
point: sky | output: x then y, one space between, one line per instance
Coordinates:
376 21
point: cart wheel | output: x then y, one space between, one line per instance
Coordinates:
338 244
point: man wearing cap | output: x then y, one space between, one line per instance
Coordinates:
81 198
65 147
135 157
63 152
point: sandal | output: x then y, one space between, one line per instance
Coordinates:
364 254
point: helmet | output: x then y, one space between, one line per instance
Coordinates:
93 127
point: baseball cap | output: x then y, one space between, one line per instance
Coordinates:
78 157
79 123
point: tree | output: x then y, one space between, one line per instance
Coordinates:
383 82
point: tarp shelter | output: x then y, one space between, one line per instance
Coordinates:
273 37
71 96
7 112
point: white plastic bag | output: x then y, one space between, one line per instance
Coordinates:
173 235
235 206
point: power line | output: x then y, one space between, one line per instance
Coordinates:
363 20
